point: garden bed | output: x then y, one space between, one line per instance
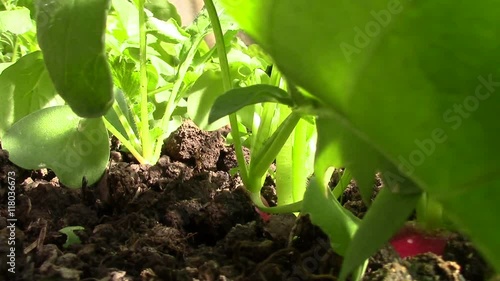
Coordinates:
186 218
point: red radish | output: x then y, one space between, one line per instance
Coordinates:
265 216
411 241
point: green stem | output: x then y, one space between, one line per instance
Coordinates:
143 88
161 89
128 129
343 183
169 109
429 213
290 208
299 160
124 141
275 76
226 81
266 155
266 126
284 165
15 49
269 115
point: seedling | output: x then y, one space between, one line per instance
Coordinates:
269 141
71 237
410 96
117 68
292 152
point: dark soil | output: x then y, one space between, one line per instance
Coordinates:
185 218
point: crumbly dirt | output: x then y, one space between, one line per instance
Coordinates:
185 218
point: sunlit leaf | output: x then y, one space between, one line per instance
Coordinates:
56 138
238 98
17 21
25 87
163 10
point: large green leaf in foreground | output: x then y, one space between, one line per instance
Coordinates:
415 82
71 37
56 138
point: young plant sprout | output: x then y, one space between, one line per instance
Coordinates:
115 77
269 141
403 90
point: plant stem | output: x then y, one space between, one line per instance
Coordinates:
15 49
226 81
124 141
270 115
183 68
343 183
161 89
290 208
284 165
143 88
429 213
266 155
299 160
262 131
128 129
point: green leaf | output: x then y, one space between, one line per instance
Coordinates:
56 138
25 87
342 232
17 21
126 76
163 10
386 216
116 116
167 31
71 237
285 178
338 223
5 65
129 19
71 37
235 99
28 4
327 213
476 211
263 158
202 96
410 84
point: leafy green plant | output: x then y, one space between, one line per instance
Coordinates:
128 72
286 143
414 126
344 101
16 33
78 141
